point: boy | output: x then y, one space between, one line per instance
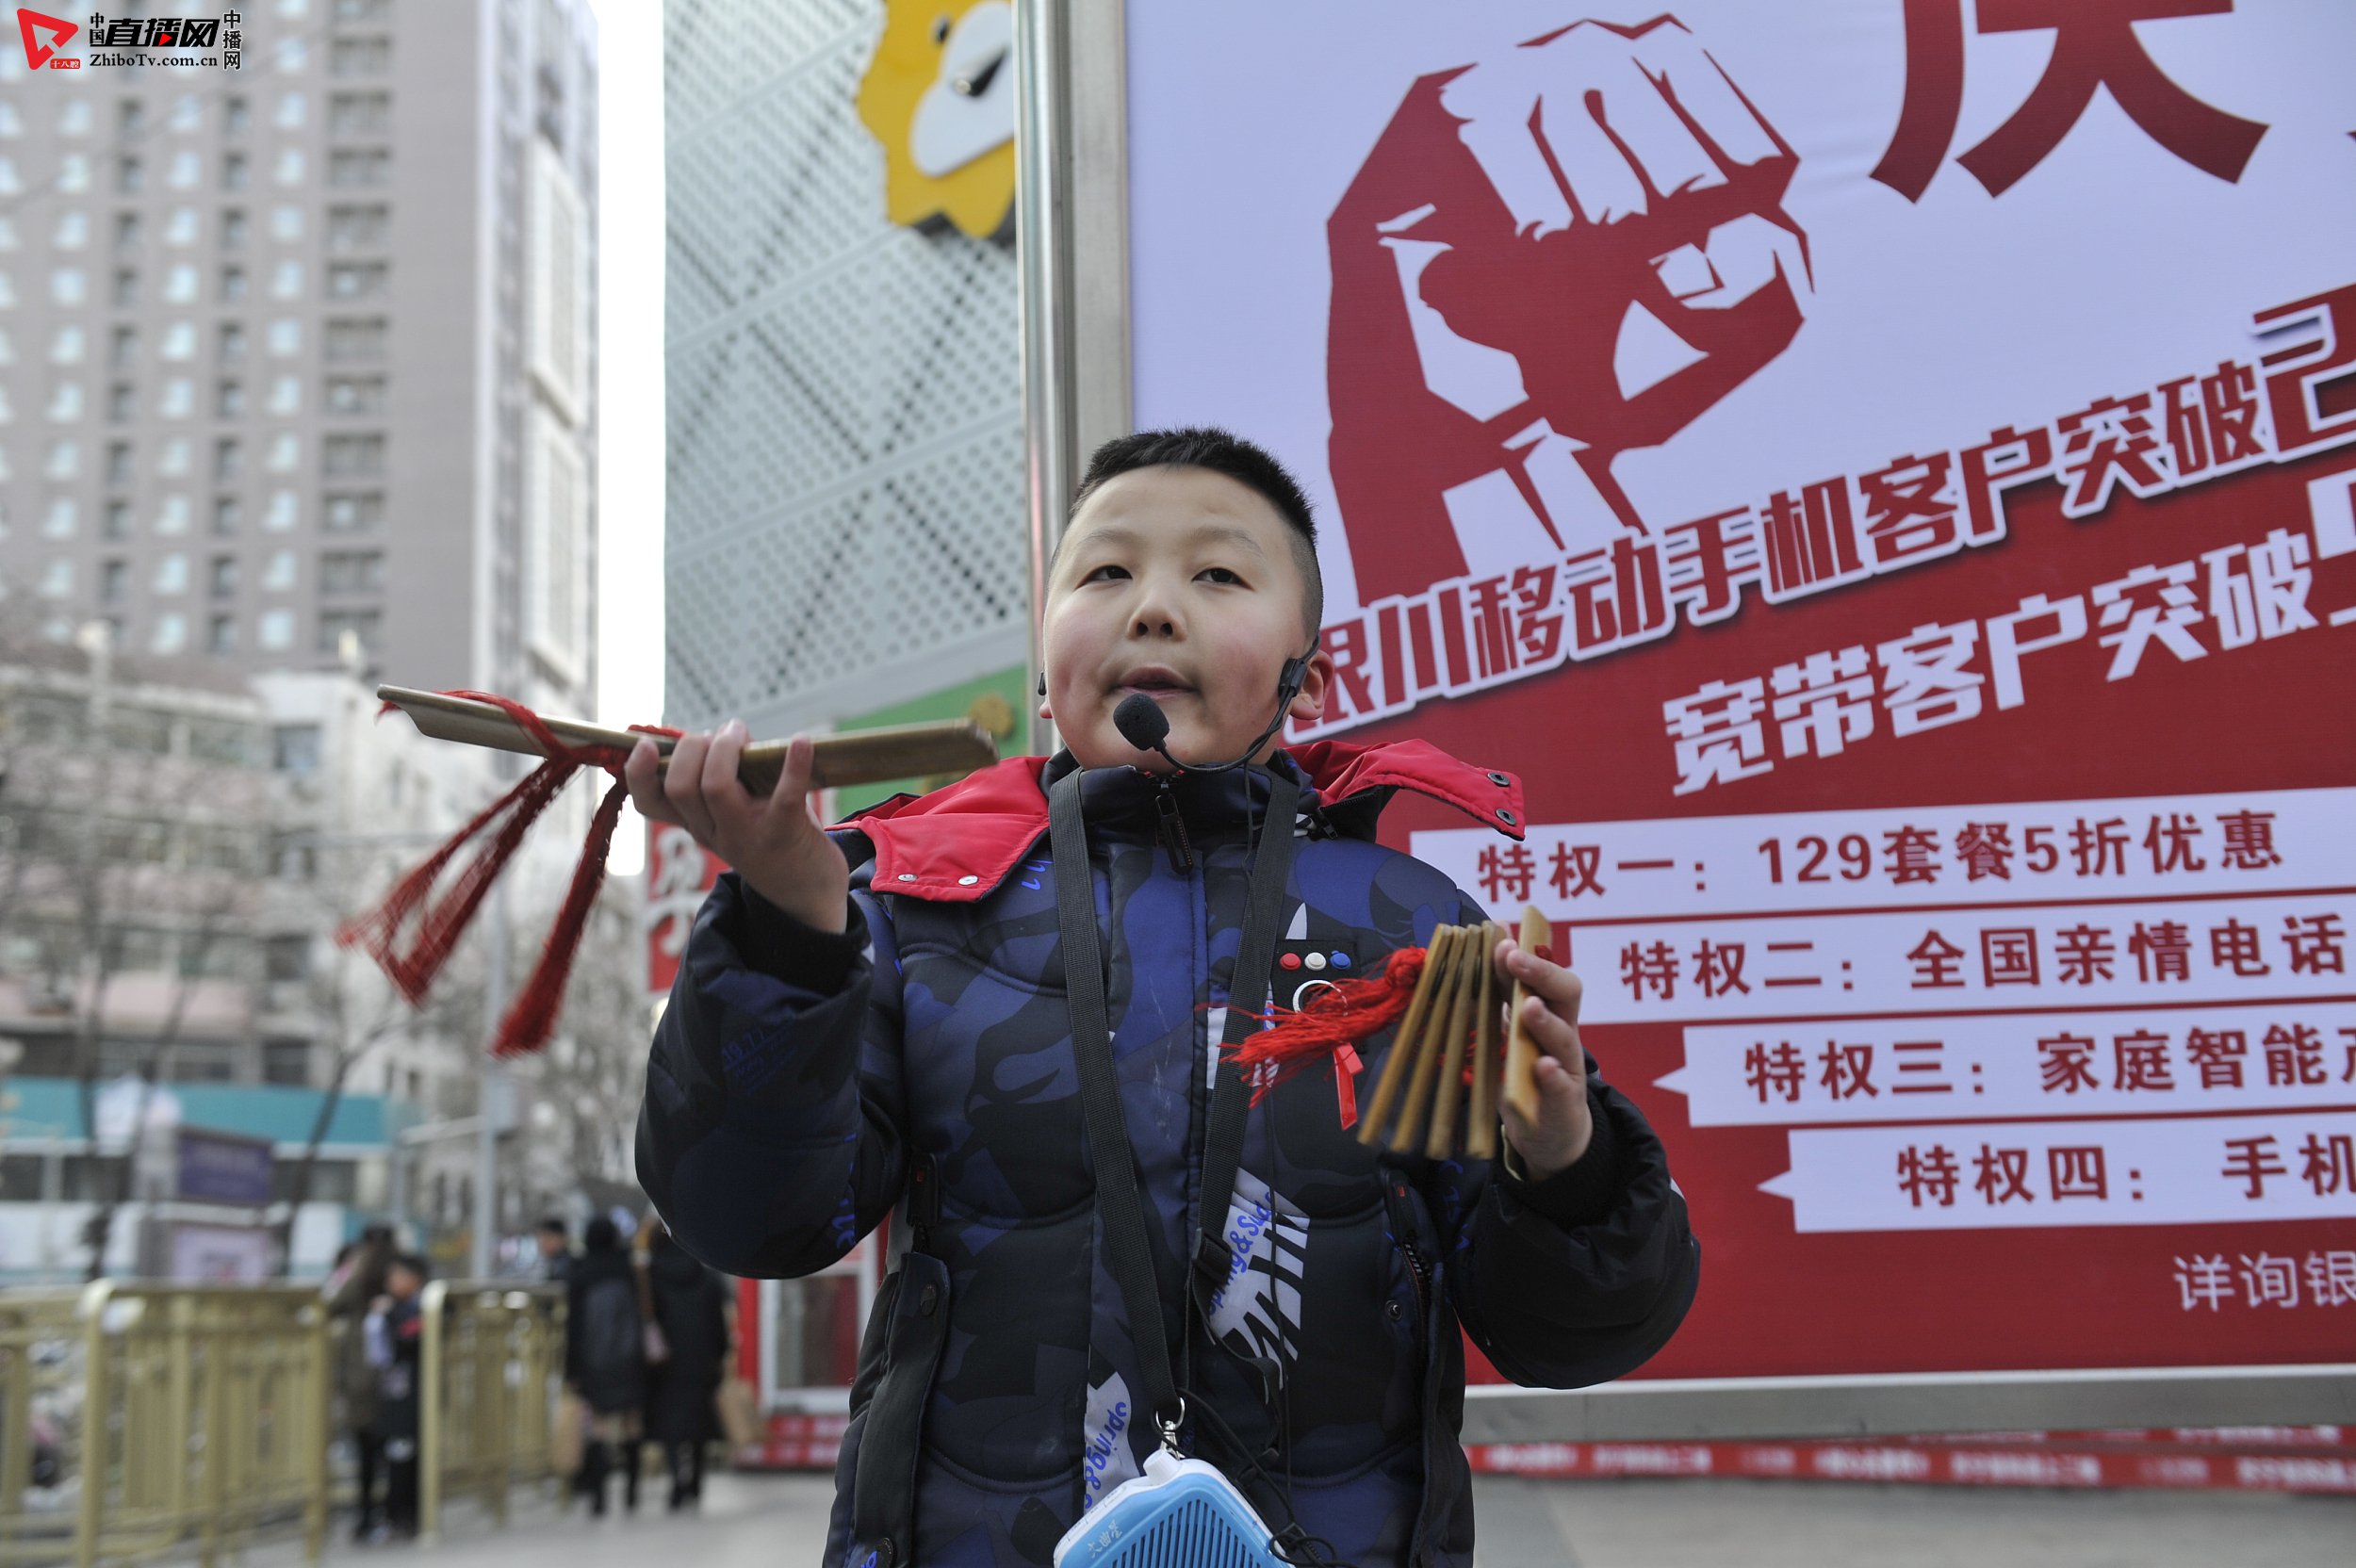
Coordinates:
881 1016
395 1334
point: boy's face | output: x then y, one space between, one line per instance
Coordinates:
401 1283
1179 584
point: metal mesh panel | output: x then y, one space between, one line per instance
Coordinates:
846 482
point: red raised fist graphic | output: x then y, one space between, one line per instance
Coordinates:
1549 258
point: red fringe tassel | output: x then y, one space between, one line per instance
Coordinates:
439 921
1330 1026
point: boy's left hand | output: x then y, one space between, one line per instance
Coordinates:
1565 1124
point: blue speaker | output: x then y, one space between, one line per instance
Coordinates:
1181 1510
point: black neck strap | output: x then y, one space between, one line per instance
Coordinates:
1121 1208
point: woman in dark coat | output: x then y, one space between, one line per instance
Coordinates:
605 1358
691 1306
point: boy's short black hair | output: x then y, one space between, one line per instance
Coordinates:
415 1262
602 1235
1221 452
553 1226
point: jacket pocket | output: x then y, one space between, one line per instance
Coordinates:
883 1486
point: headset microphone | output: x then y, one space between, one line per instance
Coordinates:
1144 725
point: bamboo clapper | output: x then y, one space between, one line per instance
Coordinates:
1448 1073
856 756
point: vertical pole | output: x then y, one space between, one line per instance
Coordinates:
494 1086
96 1397
430 1372
1042 266
318 1404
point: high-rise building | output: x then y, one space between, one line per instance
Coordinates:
301 354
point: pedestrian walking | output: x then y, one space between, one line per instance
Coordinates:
605 1358
353 1289
690 1305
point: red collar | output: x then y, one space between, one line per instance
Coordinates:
958 843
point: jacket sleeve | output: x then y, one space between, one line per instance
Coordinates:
771 1134
1577 1279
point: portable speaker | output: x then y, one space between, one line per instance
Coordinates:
1181 1510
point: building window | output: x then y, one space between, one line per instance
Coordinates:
183 228
126 285
186 170
130 175
286 453
73 231
232 284
228 512
282 516
360 57
275 629
353 171
116 521
289 110
286 222
179 399
126 231
220 635
231 343
68 285
64 513
224 577
354 513
350 342
234 166
179 341
357 280
556 576
351 571
180 284
171 632
286 280
114 581
229 399
236 115
360 113
355 394
357 228
361 624
559 324
279 574
286 395
120 468
171 574
233 228
285 336
171 518
228 458
354 456
289 166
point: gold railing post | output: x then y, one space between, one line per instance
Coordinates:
219 1444
429 1414
314 1431
94 1411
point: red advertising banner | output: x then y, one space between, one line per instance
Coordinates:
679 873
1884 474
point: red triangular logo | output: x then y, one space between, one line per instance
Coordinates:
32 25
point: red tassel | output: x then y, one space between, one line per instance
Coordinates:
440 922
1331 1025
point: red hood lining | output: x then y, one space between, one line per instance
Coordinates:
960 842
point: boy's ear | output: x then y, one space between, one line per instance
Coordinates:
1316 682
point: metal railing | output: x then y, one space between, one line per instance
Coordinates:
492 1360
140 1420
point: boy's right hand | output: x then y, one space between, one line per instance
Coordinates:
773 844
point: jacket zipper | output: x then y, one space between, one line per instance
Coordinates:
1173 829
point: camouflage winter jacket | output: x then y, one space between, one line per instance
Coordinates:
799 1081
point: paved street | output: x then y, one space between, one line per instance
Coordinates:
779 1521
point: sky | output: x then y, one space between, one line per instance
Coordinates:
629 380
